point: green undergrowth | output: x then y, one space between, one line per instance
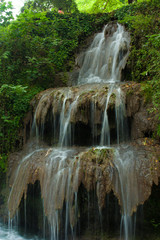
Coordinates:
14 104
38 45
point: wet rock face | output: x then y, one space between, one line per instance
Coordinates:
143 122
98 169
81 106
52 168
110 29
142 125
133 168
85 106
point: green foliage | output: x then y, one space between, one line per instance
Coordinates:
5 12
37 5
85 5
14 104
38 45
106 6
99 6
142 7
154 223
126 11
3 162
66 5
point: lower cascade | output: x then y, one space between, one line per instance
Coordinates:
80 167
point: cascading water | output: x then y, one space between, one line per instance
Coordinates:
104 62
59 169
106 56
126 183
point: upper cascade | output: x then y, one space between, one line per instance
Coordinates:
106 57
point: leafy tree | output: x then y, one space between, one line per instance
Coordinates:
37 5
43 5
66 5
99 6
5 12
107 5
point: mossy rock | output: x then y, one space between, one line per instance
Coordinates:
98 155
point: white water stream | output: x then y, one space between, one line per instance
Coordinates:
106 56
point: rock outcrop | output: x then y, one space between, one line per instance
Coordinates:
86 105
144 122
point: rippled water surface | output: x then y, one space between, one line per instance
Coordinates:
12 234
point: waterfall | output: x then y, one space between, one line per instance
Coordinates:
58 167
106 56
65 128
103 62
122 127
127 187
105 132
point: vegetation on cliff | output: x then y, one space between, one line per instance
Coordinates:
143 22
41 43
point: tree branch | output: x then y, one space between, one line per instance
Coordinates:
106 5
